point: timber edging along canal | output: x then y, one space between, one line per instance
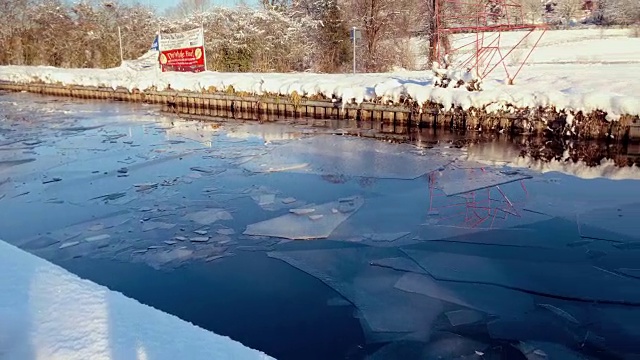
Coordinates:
542 121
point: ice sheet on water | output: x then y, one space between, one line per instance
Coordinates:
630 272
39 242
400 350
560 313
5 164
616 224
398 263
337 155
385 312
619 325
209 216
338 301
513 232
94 231
538 350
455 181
464 316
97 238
446 345
579 280
489 299
163 258
153 225
300 226
378 237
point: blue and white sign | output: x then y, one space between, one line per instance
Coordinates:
355 33
155 44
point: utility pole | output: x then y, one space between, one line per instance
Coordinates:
120 40
353 35
433 29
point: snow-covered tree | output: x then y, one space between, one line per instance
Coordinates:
568 10
532 10
619 12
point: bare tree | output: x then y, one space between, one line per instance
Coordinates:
532 10
620 12
376 19
568 10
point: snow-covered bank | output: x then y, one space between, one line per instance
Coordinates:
613 89
49 313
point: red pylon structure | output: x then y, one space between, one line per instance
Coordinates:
479 26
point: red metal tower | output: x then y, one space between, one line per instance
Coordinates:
479 26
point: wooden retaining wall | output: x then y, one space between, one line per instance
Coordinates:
272 108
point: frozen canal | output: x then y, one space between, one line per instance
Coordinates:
308 245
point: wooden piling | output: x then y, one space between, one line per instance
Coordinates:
593 125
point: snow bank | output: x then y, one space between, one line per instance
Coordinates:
613 89
49 313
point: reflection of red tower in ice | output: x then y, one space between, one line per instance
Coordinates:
481 208
479 26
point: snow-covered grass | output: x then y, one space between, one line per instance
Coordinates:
566 72
581 46
49 313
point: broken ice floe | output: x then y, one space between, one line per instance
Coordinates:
338 301
208 170
268 199
225 231
536 350
298 225
209 216
336 155
98 237
531 276
617 224
398 263
69 244
153 225
385 236
464 317
559 312
384 312
457 181
488 299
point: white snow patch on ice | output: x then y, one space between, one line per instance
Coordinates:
299 225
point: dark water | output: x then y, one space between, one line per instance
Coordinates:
261 302
574 209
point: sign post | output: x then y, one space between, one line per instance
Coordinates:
204 49
120 40
355 35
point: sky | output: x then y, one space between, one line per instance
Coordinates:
162 5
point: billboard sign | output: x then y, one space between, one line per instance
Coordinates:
182 51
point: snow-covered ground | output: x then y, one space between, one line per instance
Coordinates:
579 46
48 313
578 70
